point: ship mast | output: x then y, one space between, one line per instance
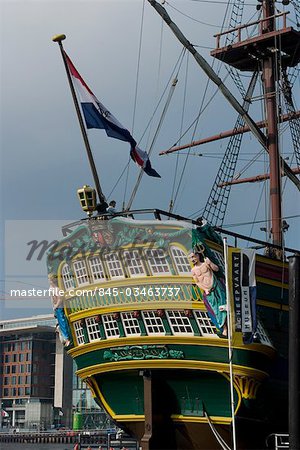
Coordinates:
252 54
269 83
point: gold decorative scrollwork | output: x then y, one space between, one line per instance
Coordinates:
248 386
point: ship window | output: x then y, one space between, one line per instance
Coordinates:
262 335
114 265
130 324
157 261
179 322
81 272
181 260
93 329
110 326
67 277
97 268
133 262
206 326
219 259
79 332
153 323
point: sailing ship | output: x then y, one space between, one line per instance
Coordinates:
143 337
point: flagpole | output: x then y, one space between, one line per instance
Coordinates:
59 38
230 351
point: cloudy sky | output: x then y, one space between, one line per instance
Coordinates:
43 161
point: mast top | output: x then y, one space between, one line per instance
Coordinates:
246 54
59 37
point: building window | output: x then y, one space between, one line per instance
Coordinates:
114 265
181 260
153 323
6 392
97 270
27 391
93 329
110 326
130 324
205 324
21 391
81 272
67 277
157 261
133 262
79 332
179 322
6 369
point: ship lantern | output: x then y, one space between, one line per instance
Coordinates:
87 198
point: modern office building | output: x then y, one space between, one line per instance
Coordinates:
38 385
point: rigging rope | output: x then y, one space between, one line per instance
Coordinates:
215 208
290 108
172 88
293 72
135 100
171 205
178 62
195 124
235 20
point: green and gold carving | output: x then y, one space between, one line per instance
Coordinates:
140 352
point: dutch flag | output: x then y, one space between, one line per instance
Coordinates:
96 115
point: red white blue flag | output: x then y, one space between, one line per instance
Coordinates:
96 115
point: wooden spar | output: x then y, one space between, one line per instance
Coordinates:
255 179
101 196
223 89
269 84
226 134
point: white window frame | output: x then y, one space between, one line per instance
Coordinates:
219 259
67 277
97 268
262 335
93 329
132 260
81 272
178 260
179 319
78 329
130 324
110 326
152 255
205 325
116 260
152 319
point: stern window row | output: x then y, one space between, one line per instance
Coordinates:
131 262
130 324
